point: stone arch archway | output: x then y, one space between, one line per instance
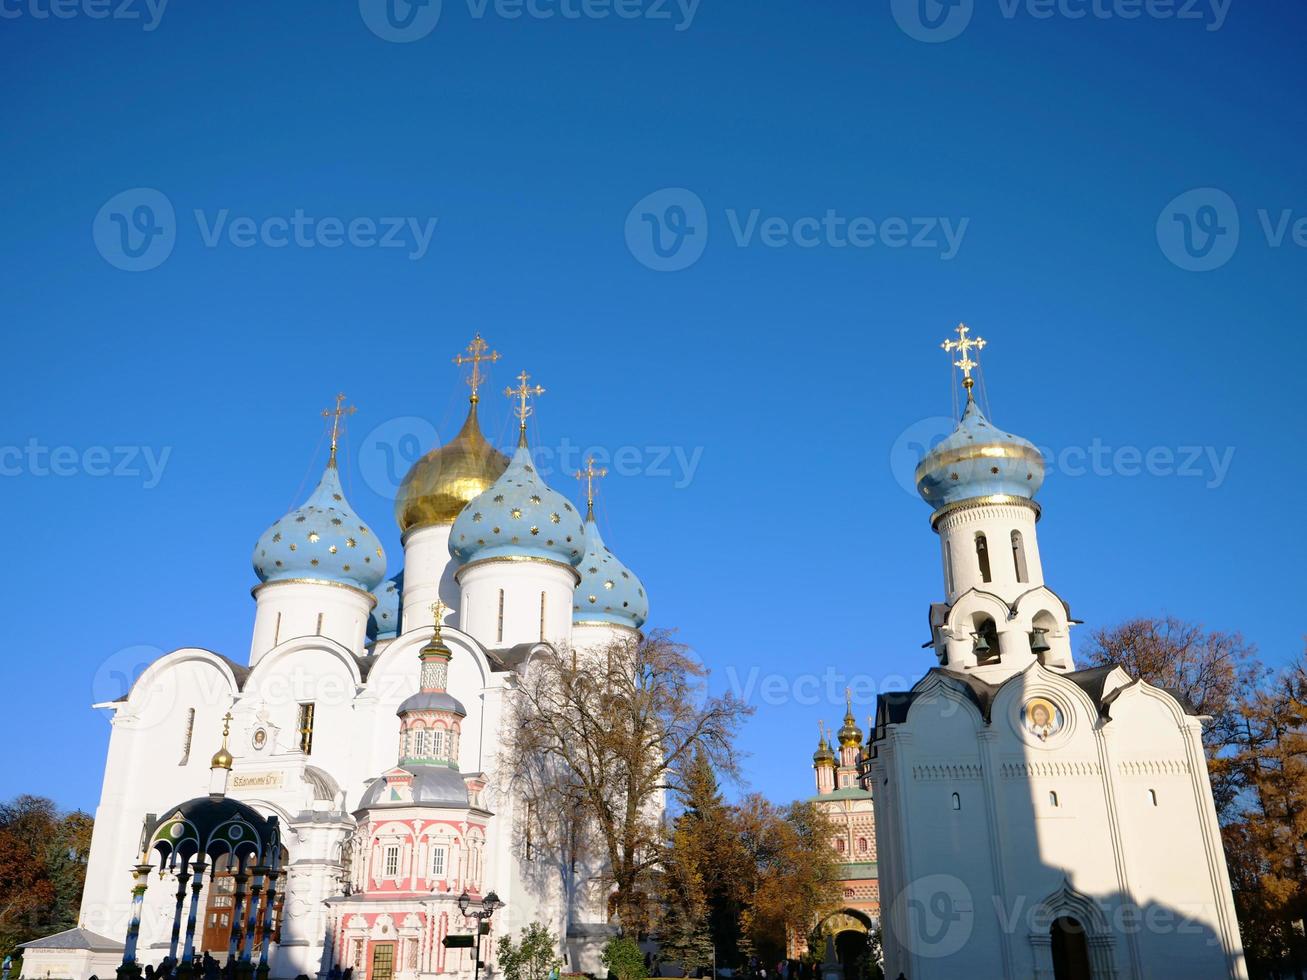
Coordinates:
850 931
1070 937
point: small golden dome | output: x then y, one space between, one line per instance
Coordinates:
441 483
221 759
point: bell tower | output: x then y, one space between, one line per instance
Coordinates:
998 615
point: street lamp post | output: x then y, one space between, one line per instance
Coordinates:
488 906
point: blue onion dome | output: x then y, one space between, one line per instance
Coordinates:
519 516
978 460
609 592
322 540
383 623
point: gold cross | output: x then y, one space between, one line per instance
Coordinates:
226 727
588 474
476 353
438 613
965 345
522 392
335 415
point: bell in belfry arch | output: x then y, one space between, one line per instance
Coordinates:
1039 641
982 645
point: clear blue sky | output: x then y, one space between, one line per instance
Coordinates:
790 370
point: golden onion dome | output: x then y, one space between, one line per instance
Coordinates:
441 483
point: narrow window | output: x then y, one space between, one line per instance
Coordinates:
499 632
542 617
438 744
1152 797
530 848
1019 556
862 845
982 556
422 738
276 631
186 737
319 624
306 727
438 861
948 567
391 864
839 845
957 802
1052 799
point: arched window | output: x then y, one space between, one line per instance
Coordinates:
839 845
957 802
1052 799
982 556
1070 950
986 640
1152 797
438 744
421 750
948 568
499 629
862 845
1019 557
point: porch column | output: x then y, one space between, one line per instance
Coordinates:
197 884
141 878
253 918
237 914
183 878
269 904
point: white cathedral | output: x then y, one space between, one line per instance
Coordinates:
1031 820
354 811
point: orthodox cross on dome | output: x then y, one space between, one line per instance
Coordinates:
590 474
964 345
522 393
438 609
335 416
476 353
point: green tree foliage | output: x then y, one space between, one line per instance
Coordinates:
42 869
623 959
743 876
533 957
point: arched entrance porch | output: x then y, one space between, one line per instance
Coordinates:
851 932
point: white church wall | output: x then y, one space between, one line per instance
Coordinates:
428 574
292 609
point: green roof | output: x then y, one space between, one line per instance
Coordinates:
847 793
855 870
